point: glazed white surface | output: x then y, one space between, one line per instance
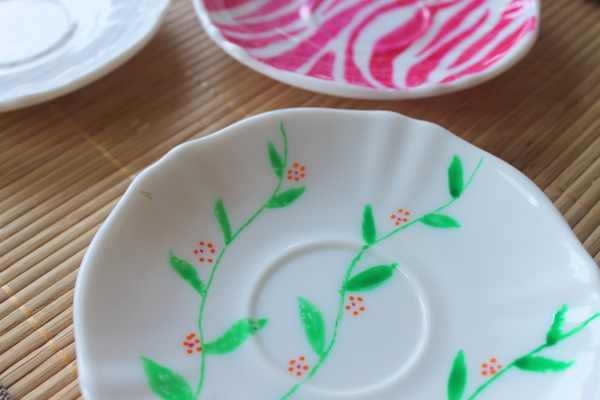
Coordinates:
84 40
490 288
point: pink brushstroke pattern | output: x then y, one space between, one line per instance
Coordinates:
436 42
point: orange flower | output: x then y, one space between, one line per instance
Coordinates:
298 366
206 252
355 305
192 343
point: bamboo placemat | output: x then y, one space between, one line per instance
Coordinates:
65 164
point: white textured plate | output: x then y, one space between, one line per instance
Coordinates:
51 47
321 254
374 49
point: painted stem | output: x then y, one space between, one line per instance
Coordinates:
343 291
218 261
531 353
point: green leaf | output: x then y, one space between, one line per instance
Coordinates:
458 377
223 220
167 384
370 278
455 177
314 325
439 221
541 364
275 158
286 198
368 225
555 333
188 272
235 336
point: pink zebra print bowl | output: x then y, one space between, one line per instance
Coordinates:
374 49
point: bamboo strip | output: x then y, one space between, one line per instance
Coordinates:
38 347
27 231
46 380
565 151
569 175
41 260
45 293
34 321
592 244
69 392
588 224
583 194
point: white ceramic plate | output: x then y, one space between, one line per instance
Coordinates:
384 49
360 255
51 47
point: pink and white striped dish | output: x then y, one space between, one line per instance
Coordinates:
385 49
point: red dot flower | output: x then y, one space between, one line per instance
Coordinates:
296 173
400 217
298 366
490 368
206 252
355 305
192 343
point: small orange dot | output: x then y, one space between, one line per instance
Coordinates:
299 373
290 369
362 309
289 171
302 358
293 362
493 360
397 223
302 168
295 165
484 365
404 219
195 251
210 260
407 213
290 177
484 373
351 297
305 367
201 259
190 351
302 175
400 210
201 243
499 366
355 313
209 245
190 336
212 250
197 341
493 372
359 298
198 348
296 179
393 216
186 344
347 307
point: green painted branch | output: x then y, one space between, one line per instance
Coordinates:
542 347
349 271
218 261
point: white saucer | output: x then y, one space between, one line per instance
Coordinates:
315 254
51 47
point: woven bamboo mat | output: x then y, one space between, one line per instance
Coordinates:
65 164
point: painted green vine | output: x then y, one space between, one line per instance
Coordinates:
371 278
168 384
530 362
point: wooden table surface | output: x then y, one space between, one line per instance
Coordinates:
65 164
